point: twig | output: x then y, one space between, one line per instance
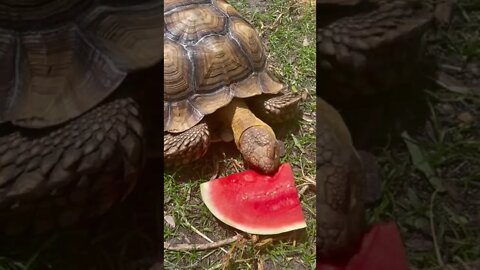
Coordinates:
208 255
189 247
273 25
200 233
310 180
236 165
302 190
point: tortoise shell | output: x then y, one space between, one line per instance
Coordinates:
59 59
211 55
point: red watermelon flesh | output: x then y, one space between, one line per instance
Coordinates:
256 203
381 248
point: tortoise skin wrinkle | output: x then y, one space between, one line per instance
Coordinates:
65 65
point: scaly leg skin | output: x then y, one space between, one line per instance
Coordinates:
185 147
58 176
340 177
373 183
275 108
255 140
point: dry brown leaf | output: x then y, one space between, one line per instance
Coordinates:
466 117
450 83
170 221
264 242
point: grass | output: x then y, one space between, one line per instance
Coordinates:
288 30
432 179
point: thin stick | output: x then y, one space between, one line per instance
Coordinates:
189 247
310 180
200 233
208 255
302 190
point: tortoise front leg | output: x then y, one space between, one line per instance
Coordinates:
188 146
277 108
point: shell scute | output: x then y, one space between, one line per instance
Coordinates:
218 63
220 56
176 70
250 42
192 23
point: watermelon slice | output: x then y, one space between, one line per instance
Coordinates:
255 203
381 248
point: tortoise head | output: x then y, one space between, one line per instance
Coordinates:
260 149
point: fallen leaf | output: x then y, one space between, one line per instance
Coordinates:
260 264
170 221
305 42
421 163
466 117
264 242
418 159
450 83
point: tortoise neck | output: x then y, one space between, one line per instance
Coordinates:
240 118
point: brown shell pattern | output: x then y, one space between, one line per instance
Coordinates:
59 59
211 55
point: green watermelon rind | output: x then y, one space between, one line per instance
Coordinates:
205 193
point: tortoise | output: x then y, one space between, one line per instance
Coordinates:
72 137
216 83
366 47
348 182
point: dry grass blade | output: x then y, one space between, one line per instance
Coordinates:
200 233
451 84
434 234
